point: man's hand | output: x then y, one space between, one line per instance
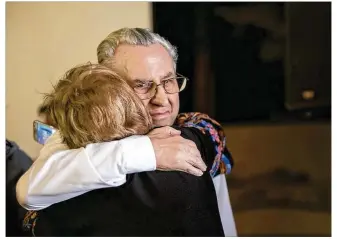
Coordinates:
174 153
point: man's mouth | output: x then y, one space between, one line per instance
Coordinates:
160 115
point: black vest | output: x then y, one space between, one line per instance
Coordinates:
149 204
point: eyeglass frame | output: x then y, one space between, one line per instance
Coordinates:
163 84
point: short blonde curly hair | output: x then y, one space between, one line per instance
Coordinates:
93 103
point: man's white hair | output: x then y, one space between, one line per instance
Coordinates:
132 36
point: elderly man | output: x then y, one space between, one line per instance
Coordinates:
60 174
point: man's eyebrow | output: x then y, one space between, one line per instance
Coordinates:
167 75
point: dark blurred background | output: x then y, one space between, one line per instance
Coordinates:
264 71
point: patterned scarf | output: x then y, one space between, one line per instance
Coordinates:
223 162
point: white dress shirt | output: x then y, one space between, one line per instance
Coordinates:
59 173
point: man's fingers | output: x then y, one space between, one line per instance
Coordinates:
192 170
197 162
164 132
194 157
193 150
172 131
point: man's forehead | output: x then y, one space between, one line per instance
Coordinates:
144 62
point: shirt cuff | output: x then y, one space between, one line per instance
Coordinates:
138 154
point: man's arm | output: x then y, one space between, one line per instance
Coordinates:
207 130
60 174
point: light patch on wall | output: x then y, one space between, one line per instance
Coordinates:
44 40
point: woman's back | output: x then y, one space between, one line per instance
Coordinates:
149 204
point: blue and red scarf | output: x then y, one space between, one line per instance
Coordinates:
223 161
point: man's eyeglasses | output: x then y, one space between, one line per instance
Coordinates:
171 85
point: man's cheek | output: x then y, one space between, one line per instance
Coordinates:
146 103
174 100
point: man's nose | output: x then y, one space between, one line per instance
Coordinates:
160 97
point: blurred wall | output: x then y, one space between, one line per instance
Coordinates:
281 182
43 40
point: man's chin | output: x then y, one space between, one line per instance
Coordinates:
163 122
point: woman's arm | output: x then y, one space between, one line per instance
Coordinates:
59 173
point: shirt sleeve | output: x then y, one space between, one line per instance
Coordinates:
59 173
